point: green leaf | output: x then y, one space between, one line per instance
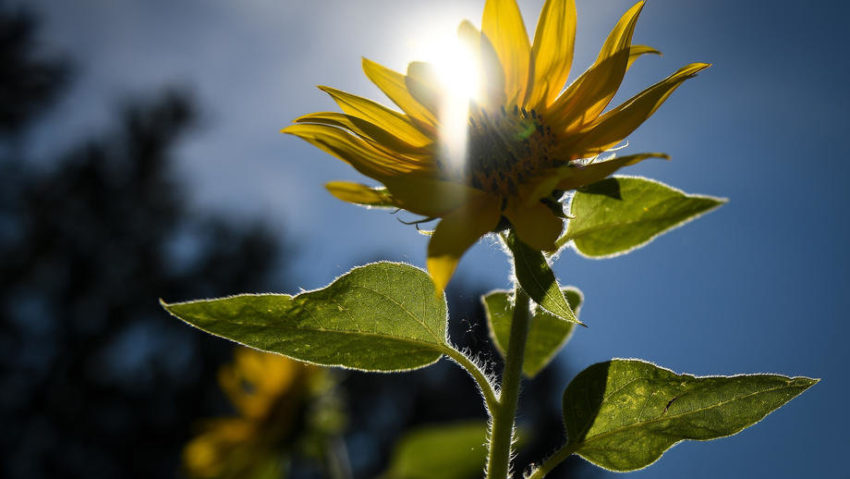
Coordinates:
379 317
619 214
455 451
623 414
547 334
537 279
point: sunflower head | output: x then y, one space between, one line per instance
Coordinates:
272 395
528 138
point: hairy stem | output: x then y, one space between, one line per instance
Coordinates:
552 462
483 383
502 425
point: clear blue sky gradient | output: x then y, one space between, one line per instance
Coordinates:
761 285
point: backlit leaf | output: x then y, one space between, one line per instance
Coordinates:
547 334
619 214
623 414
455 451
537 279
379 317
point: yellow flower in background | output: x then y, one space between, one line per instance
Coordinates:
527 138
270 393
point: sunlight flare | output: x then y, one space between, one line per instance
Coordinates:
458 74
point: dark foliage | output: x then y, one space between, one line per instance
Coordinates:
95 379
28 83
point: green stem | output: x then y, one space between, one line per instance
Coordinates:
336 459
502 425
553 461
477 374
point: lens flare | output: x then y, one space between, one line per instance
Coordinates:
459 76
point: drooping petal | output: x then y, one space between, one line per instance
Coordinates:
375 197
588 96
430 196
491 76
368 131
423 84
618 123
535 224
537 188
357 152
637 51
381 116
456 233
573 177
393 85
552 51
503 25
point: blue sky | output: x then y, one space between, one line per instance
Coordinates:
761 285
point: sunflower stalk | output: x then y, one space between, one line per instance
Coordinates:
504 415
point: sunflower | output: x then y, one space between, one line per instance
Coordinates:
271 395
529 139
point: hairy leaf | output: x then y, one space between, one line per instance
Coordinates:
619 214
379 317
624 413
547 334
455 451
537 279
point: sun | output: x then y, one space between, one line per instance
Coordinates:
459 75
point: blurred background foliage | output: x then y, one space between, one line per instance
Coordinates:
97 381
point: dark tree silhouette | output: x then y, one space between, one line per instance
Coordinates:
95 379
28 84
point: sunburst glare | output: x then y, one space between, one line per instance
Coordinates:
459 76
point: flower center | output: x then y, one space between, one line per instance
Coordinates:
507 148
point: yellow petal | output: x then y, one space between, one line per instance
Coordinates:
412 186
394 86
621 35
503 25
573 177
535 189
535 224
357 152
424 86
456 233
210 453
379 115
491 76
552 52
618 123
588 96
369 131
637 51
429 196
361 194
